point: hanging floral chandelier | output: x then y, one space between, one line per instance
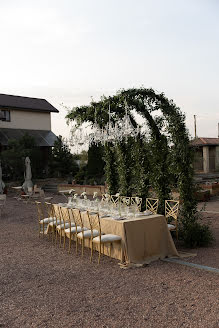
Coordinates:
114 133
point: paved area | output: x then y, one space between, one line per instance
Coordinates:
43 286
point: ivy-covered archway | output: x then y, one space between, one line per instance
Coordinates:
163 160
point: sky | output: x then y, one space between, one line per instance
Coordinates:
68 51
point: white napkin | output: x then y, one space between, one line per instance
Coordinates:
118 218
147 213
62 204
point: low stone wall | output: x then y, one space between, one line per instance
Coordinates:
202 195
81 188
213 188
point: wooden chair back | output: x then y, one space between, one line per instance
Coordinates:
49 209
65 215
76 214
115 200
105 198
125 200
56 211
136 201
171 209
39 210
94 221
152 205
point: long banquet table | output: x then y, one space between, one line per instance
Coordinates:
144 239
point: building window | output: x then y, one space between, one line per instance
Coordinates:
5 115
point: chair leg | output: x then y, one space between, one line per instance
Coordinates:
99 253
91 253
76 245
53 233
69 245
56 237
60 237
64 240
82 245
39 229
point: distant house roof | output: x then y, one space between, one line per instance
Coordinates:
205 142
43 138
25 103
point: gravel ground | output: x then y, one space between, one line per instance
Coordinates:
208 256
43 286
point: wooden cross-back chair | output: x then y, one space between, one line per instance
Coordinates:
136 201
171 214
152 205
57 221
125 200
86 233
65 224
101 239
105 198
51 218
26 197
42 221
115 200
76 226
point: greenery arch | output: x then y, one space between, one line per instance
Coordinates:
163 160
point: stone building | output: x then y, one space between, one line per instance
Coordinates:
206 155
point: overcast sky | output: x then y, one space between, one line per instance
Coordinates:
67 51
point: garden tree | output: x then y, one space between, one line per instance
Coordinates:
111 169
95 164
13 157
125 166
91 166
82 157
140 177
62 162
169 156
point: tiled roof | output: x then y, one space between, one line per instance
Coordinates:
25 103
205 142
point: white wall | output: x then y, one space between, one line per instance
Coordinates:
28 120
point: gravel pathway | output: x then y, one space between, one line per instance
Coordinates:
43 286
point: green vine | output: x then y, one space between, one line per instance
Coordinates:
110 169
162 161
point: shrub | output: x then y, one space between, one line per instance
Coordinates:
196 234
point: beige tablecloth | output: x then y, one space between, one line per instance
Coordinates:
144 239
